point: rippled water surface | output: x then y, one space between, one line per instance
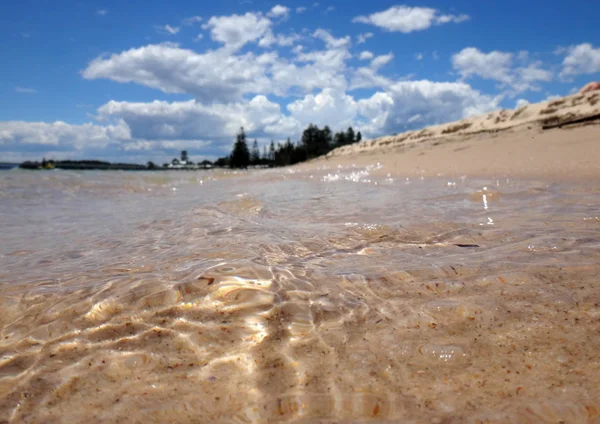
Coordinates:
332 295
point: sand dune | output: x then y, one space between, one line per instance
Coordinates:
553 139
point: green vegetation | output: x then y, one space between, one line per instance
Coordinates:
314 142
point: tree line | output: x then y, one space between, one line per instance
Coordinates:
314 142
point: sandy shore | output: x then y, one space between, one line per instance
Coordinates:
516 144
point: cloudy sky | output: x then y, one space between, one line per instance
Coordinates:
140 80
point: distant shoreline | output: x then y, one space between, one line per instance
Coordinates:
94 165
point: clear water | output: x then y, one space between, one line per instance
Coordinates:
329 295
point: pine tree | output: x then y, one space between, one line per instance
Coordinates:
339 139
240 157
358 137
350 136
255 154
272 151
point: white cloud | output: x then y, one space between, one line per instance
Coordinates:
221 75
362 38
198 37
457 19
300 9
191 20
25 90
236 30
330 40
520 103
330 107
379 61
161 120
102 12
581 59
271 39
167 29
279 11
532 73
366 55
367 77
330 9
494 65
434 102
498 66
216 75
407 19
419 56
60 134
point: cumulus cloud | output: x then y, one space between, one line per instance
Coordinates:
499 66
366 55
271 39
214 75
425 102
20 134
407 19
222 75
494 65
362 38
236 30
161 120
279 11
379 61
330 40
300 9
330 107
581 59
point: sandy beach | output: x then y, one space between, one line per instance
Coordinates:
508 143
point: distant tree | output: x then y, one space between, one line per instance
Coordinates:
310 140
184 156
223 162
255 153
339 139
175 161
327 137
358 137
272 151
350 137
165 165
240 156
151 165
265 155
205 163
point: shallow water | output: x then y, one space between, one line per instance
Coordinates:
331 295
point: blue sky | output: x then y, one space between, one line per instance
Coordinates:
140 80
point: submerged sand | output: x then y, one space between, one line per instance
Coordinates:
403 282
